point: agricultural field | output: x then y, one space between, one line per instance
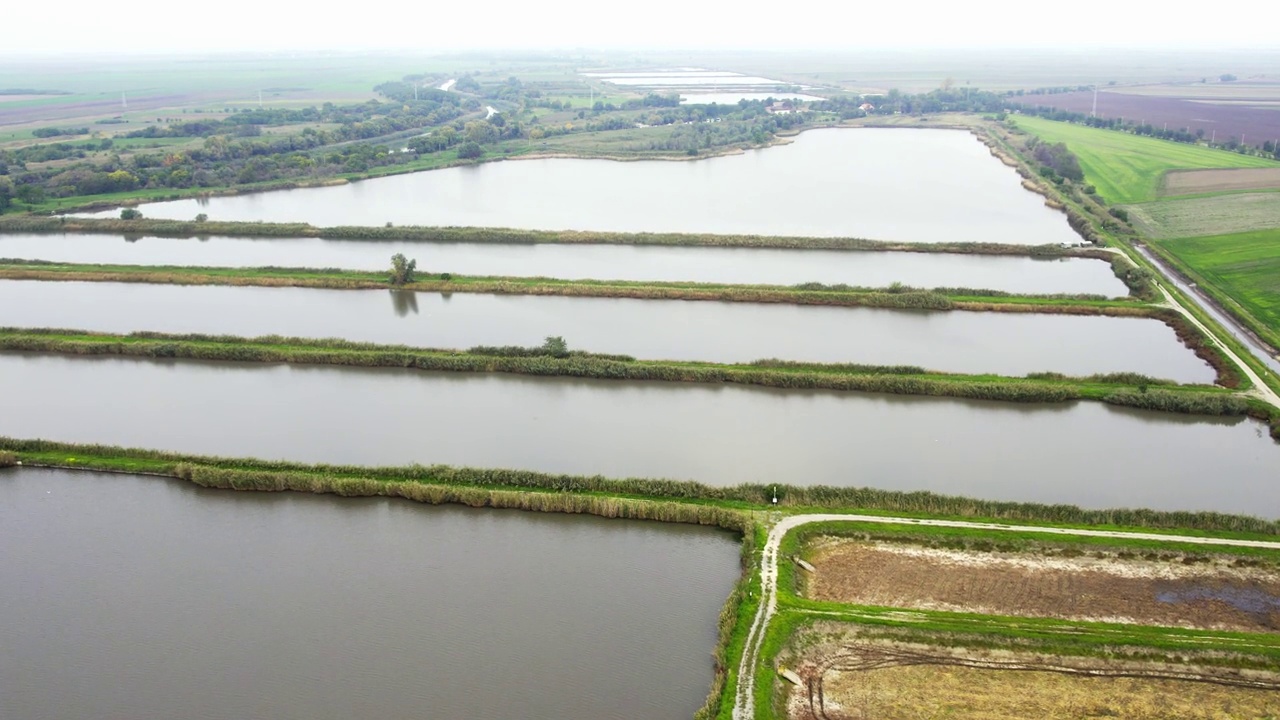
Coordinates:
1160 589
1128 169
853 677
1195 182
1207 215
1244 266
1249 121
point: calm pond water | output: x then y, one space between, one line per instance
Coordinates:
601 262
1087 453
886 184
1007 343
132 597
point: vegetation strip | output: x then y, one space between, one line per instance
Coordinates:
554 359
668 501
895 296
509 236
250 472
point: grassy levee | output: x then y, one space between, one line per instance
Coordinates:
680 496
904 298
1130 389
1097 227
897 296
510 236
735 622
1129 168
977 540
1240 272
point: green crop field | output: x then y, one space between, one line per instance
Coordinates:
1207 215
1245 266
1129 168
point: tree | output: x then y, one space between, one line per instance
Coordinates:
130 214
402 269
202 217
555 346
470 150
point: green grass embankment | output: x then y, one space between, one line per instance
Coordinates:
897 296
1129 389
186 229
719 503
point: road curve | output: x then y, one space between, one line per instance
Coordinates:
1260 389
744 707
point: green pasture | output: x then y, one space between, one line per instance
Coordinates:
1244 266
1129 168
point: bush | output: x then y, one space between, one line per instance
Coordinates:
470 150
202 218
555 346
8 459
130 214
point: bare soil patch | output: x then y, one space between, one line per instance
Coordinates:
1208 595
886 681
1187 182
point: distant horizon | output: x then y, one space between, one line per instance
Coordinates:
150 27
469 52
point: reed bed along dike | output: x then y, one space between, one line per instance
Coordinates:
180 228
1188 403
706 503
768 374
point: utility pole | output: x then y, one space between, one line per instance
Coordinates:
1095 102
259 99
124 104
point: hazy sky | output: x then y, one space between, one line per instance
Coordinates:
79 26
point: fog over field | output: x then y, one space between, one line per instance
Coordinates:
1088 24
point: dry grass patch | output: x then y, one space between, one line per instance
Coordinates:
1189 182
1183 592
1214 215
892 691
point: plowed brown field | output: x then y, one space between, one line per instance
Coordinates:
1210 595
